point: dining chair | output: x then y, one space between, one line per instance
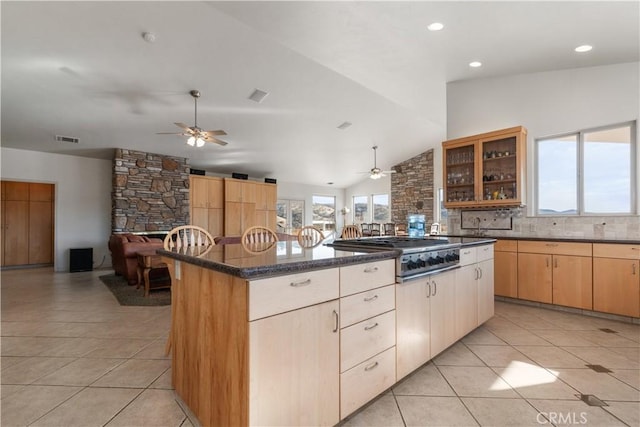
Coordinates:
366 229
310 236
258 239
401 230
189 240
350 232
375 229
389 229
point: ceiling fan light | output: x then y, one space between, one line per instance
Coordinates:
375 176
199 142
191 141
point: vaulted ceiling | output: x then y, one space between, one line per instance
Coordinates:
83 69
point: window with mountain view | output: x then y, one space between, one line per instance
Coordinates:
587 172
381 208
324 212
360 209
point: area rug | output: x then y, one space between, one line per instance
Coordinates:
129 295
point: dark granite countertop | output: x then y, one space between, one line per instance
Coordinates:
285 257
555 239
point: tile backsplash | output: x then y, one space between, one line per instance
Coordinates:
588 227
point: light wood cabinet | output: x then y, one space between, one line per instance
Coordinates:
207 203
442 296
485 291
466 303
294 376
239 206
413 332
505 268
555 273
485 170
616 279
27 223
535 277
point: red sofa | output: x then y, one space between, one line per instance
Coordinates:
124 249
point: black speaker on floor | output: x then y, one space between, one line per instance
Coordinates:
80 259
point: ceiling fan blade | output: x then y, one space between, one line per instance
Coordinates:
185 127
214 132
218 141
169 133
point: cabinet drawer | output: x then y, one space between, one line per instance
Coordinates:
506 246
365 339
358 307
484 253
614 250
467 256
555 248
367 380
284 293
362 277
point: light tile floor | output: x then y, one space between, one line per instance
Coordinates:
72 356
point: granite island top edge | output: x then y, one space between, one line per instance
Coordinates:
281 269
554 239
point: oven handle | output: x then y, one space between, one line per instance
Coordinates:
427 273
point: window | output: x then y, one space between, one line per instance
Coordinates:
381 208
324 212
290 216
442 216
587 172
360 209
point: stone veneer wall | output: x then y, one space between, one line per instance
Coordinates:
150 192
412 188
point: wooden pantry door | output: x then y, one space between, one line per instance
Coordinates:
27 223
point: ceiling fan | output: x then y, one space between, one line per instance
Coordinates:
197 136
376 172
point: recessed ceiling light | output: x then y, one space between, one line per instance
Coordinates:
344 125
475 64
583 48
436 26
149 37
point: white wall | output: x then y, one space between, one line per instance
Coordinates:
294 191
545 103
83 198
366 187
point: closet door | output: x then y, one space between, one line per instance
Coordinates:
40 223
16 224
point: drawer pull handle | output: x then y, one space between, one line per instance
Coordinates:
370 367
371 298
466 252
336 321
435 288
368 328
634 248
371 269
633 269
298 284
553 245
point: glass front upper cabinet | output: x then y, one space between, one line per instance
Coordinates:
485 170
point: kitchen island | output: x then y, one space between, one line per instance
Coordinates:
296 336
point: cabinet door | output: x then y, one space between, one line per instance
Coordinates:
16 191
412 326
40 192
261 197
249 192
460 174
41 232
500 169
466 303
534 277
248 216
505 267
232 219
616 286
16 233
271 191
232 190
198 192
485 291
443 317
200 217
215 221
293 370
572 281
215 193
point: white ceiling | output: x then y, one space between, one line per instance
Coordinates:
82 69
